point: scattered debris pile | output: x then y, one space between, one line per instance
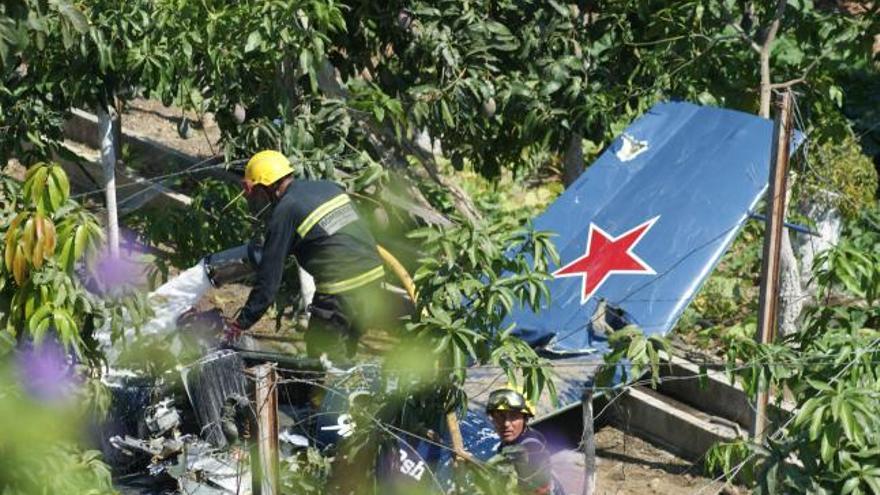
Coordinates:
213 457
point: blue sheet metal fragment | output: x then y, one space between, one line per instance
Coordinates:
640 231
647 222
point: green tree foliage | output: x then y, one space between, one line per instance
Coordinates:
631 355
250 54
31 102
498 83
830 444
493 81
47 239
49 245
470 279
490 79
215 221
846 174
38 453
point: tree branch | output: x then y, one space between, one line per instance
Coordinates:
745 36
742 33
797 80
766 47
382 139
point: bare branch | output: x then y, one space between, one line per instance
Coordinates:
769 38
742 33
798 80
745 37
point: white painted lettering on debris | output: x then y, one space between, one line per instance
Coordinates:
410 467
630 148
344 426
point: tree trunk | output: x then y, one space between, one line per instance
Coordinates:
573 161
108 161
116 117
460 199
791 295
769 38
828 225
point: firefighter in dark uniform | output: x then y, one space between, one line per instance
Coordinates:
521 447
316 222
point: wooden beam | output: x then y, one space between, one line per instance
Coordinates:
767 303
265 478
588 443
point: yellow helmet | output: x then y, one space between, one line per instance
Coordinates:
266 167
509 399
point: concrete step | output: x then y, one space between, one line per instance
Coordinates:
82 127
711 391
690 411
133 191
677 427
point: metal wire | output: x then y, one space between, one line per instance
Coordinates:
200 166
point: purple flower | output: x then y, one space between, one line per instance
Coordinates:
126 271
45 371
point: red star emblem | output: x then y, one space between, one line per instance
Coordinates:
605 256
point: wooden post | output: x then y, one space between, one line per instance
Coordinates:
772 243
108 161
264 477
455 435
588 441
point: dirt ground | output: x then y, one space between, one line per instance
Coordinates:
630 465
15 169
152 119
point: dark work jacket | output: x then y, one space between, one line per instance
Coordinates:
316 222
530 458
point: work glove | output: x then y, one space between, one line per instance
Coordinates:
210 321
231 333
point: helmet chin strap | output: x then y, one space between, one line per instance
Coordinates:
258 215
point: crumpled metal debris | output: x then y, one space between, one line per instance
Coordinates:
291 443
198 467
208 383
157 448
162 418
201 469
217 392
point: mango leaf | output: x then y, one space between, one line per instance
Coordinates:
254 40
71 14
817 422
827 450
850 485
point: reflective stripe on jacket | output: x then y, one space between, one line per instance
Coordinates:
316 222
